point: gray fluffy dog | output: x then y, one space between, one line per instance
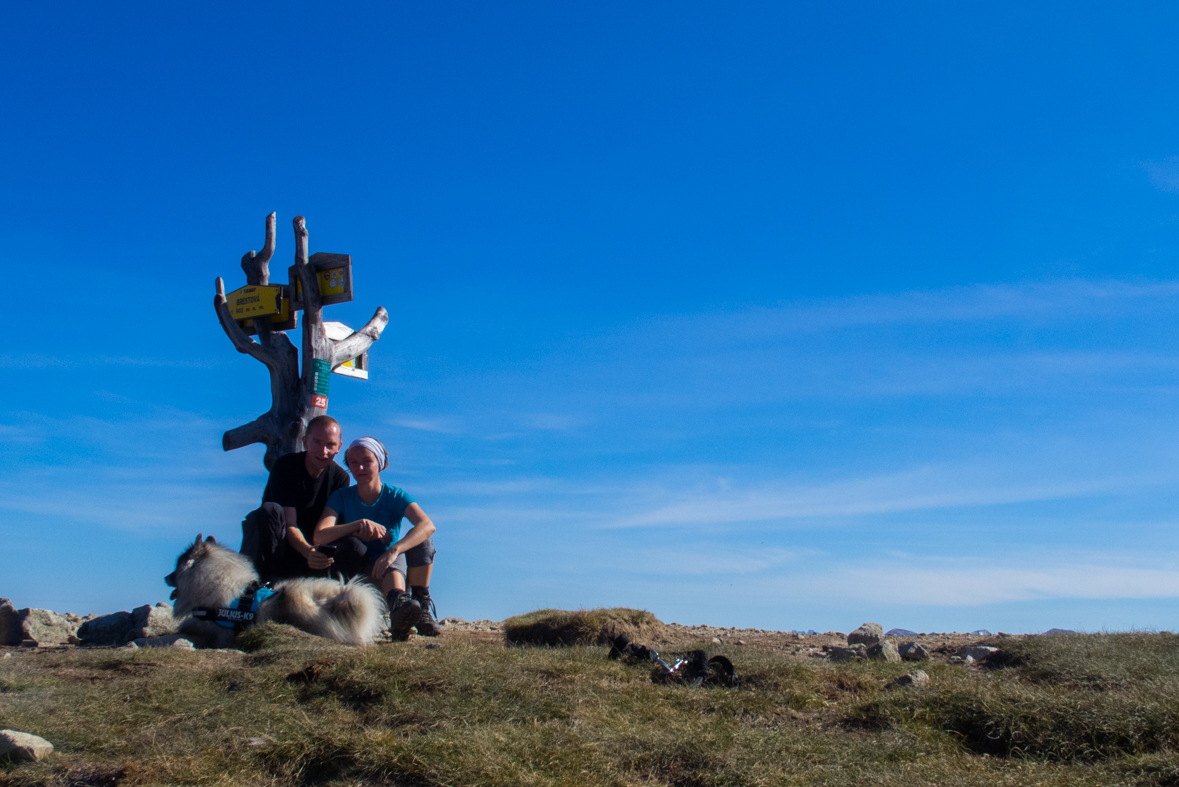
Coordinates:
209 575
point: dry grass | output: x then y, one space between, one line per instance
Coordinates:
296 710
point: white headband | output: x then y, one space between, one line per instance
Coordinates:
377 449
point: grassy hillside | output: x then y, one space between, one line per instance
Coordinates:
1062 710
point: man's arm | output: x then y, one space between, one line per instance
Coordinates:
315 560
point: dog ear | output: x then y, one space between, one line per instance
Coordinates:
210 540
198 539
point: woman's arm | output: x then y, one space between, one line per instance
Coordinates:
422 529
327 531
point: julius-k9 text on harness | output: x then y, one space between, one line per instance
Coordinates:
239 613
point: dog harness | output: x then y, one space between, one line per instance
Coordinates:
239 613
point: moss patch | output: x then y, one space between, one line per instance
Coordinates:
561 628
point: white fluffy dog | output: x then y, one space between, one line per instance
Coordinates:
209 576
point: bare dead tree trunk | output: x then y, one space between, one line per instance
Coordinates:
292 394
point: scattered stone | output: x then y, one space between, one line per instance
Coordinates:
913 651
7 655
740 642
854 653
109 629
152 621
914 678
131 646
9 625
23 746
867 634
41 626
157 642
716 641
885 650
183 644
119 627
976 652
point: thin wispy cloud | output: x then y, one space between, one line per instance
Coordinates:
1163 173
550 421
67 361
709 560
981 582
1069 300
1043 339
719 503
441 426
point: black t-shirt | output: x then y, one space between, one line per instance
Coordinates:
291 486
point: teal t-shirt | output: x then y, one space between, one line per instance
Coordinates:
388 511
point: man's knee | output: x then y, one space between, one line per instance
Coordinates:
271 514
421 555
350 555
263 537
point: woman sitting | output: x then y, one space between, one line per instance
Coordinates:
363 523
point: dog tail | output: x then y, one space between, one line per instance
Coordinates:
356 613
346 612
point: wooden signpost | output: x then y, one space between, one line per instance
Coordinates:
267 311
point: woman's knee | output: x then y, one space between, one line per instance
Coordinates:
421 555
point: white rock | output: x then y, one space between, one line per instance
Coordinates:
914 678
183 644
716 641
867 634
23 746
976 652
914 651
885 650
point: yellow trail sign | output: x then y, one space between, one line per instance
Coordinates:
256 300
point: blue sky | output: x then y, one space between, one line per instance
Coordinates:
775 315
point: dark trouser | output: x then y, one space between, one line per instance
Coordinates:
264 542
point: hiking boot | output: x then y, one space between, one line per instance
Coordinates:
426 625
403 614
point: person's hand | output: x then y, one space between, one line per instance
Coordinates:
371 531
317 560
383 563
